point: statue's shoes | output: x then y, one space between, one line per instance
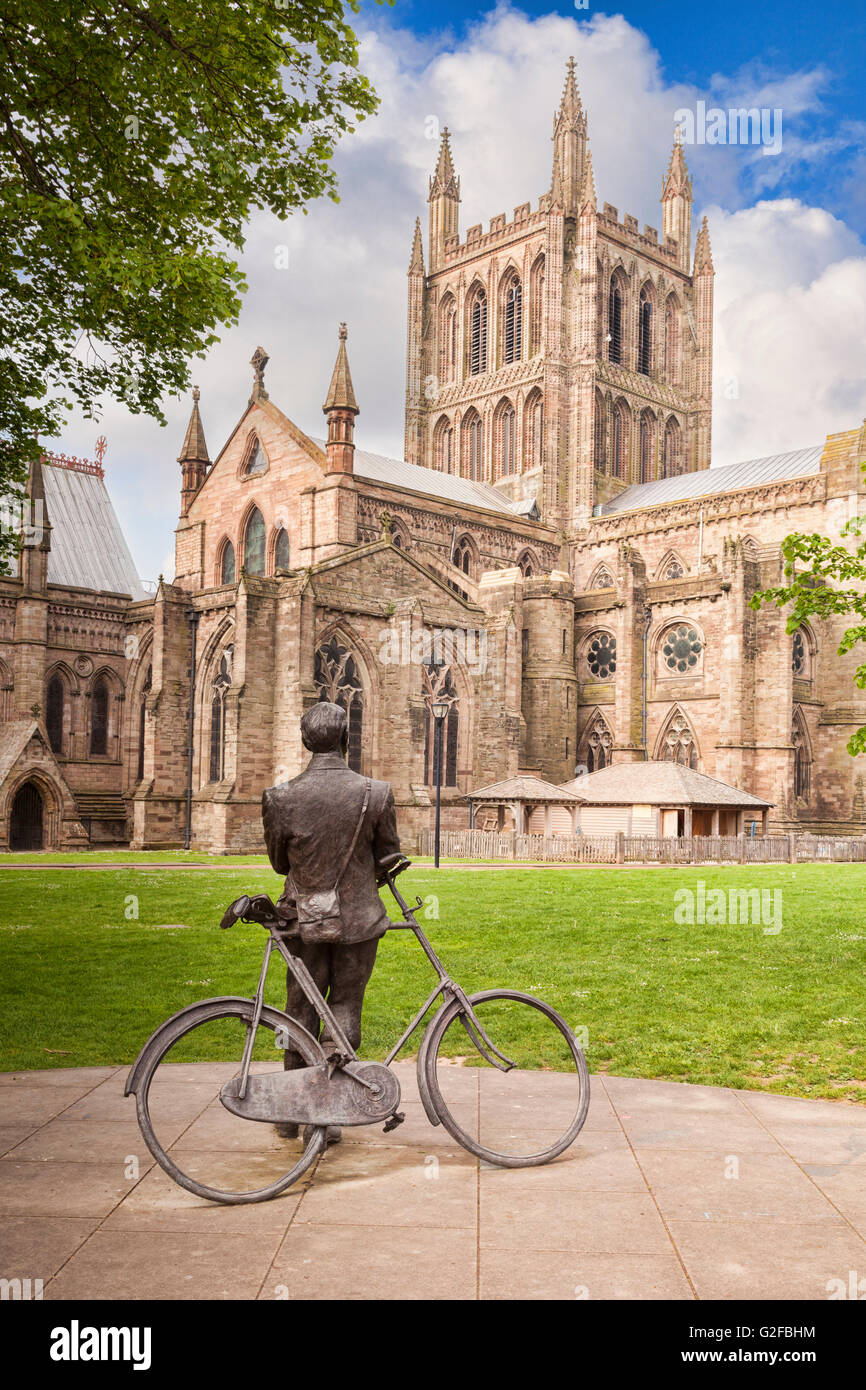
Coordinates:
287 1131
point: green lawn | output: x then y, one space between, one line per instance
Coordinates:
82 983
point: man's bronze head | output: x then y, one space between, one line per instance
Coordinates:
325 729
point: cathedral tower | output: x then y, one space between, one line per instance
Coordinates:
564 353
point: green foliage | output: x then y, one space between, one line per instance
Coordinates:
826 581
135 141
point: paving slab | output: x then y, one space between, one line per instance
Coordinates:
671 1191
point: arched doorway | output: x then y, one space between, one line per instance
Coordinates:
25 826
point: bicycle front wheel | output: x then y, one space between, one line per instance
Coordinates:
199 1143
516 1118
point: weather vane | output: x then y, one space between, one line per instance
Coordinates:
101 446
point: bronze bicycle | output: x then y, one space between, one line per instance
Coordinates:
339 1088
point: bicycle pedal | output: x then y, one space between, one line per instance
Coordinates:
395 1120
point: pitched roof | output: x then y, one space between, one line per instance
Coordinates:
707 482
523 788
657 784
88 548
376 468
15 735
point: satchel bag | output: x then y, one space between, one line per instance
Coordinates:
320 913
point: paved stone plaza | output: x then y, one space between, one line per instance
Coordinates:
646 1204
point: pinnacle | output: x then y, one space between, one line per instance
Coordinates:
677 179
416 261
570 107
341 394
587 184
703 254
194 447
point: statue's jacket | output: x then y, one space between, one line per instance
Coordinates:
309 823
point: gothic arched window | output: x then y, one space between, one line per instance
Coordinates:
254 543
620 439
645 332
142 716
227 564
221 683
472 446
338 680
599 431
598 744
443 445
99 718
802 757
673 449
678 743
512 343
464 556
681 650
536 306
478 333
507 431
615 321
533 425
799 655
602 579
447 339
526 565
672 340
601 656
282 550
439 683
255 461
54 703
647 446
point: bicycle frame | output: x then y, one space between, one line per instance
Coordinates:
446 987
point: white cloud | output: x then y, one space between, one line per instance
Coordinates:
788 281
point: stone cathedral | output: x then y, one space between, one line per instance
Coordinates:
553 555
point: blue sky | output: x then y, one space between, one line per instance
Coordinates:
787 229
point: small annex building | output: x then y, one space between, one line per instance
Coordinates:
663 798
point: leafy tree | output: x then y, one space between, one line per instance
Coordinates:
135 141
812 564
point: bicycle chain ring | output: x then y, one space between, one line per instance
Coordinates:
383 1101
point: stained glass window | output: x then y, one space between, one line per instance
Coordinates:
338 681
681 649
254 544
227 564
281 550
99 718
601 656
54 714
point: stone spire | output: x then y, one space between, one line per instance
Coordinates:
703 254
444 200
677 202
193 458
569 145
341 408
416 262
258 362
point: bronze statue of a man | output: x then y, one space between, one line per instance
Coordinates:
332 833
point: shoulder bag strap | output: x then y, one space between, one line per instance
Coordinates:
356 834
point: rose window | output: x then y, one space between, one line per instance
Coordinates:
681 649
601 656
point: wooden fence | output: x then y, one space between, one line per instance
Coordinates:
643 849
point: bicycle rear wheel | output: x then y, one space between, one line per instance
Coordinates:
192 1136
517 1118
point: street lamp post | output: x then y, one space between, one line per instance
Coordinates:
439 707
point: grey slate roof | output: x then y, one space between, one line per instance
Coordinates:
523 788
88 548
657 784
396 472
800 463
